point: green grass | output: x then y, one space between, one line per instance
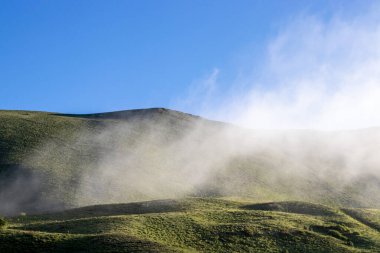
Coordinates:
3 223
191 225
369 217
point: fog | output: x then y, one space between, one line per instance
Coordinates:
208 159
173 155
317 72
167 154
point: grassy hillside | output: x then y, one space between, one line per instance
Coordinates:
194 224
44 155
91 183
52 161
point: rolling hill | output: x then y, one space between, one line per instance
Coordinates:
195 225
76 183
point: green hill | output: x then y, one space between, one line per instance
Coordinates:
51 161
45 158
222 188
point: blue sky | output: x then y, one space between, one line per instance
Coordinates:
93 56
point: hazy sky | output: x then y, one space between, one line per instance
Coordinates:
229 60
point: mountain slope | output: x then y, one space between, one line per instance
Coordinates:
43 155
51 161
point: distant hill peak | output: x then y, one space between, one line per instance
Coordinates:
136 113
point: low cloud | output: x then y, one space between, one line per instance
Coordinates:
317 74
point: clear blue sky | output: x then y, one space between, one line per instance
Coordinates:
90 56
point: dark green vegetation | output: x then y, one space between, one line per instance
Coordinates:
89 165
2 223
193 224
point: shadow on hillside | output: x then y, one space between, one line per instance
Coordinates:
128 114
90 243
293 207
155 206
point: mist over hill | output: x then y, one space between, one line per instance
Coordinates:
52 161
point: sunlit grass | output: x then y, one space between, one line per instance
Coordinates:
193 224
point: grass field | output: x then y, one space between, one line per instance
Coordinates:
194 224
